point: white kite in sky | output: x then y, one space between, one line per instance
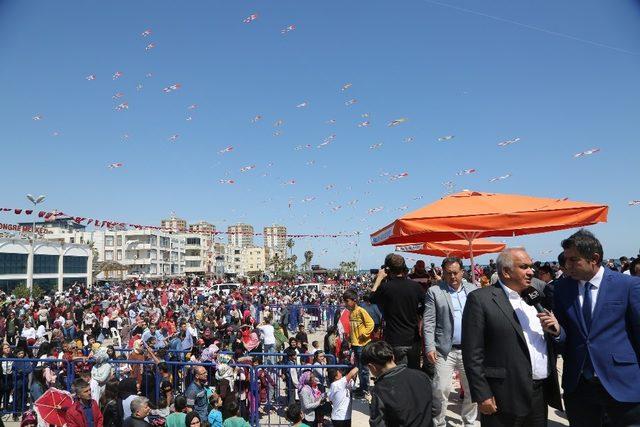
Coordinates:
290 182
115 165
634 203
146 33
122 107
351 102
586 153
331 121
364 124
226 150
399 176
118 95
226 181
303 104
192 107
508 142
172 88
117 75
397 122
247 168
375 210
446 138
408 139
174 137
256 118
375 146
345 86
150 46
500 178
91 77
37 117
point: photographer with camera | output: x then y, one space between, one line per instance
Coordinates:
402 302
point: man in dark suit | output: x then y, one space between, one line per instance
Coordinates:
508 356
599 314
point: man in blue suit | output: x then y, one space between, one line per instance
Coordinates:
599 314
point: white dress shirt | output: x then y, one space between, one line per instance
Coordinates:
595 286
533 333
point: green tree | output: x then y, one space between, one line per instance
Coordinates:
348 267
22 291
308 256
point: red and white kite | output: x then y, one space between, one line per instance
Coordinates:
247 168
171 88
508 142
374 210
408 139
146 32
226 150
118 95
397 122
303 104
117 75
586 153
115 165
375 146
189 118
256 118
278 122
403 208
192 107
399 176
308 199
174 137
634 203
37 117
249 19
290 182
301 147
466 172
345 86
226 181
150 46
122 107
331 121
287 29
351 102
446 138
364 124
91 77
500 178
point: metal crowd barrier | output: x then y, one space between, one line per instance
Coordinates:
263 394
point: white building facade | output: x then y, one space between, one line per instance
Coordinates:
50 265
240 235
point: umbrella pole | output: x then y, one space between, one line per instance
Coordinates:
473 265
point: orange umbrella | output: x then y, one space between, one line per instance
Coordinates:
457 248
471 214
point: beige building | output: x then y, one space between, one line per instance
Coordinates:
174 224
275 240
253 259
199 256
202 227
240 235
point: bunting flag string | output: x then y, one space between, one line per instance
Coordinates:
99 223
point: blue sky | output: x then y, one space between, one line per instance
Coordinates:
563 77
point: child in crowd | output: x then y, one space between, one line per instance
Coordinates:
340 396
293 414
235 420
215 416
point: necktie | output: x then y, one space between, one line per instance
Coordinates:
587 368
586 305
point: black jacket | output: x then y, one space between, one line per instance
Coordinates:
495 353
136 422
401 397
402 304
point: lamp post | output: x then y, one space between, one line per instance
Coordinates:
35 201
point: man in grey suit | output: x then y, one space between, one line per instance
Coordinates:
442 324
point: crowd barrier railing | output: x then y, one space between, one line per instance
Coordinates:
264 390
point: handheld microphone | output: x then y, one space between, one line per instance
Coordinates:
532 297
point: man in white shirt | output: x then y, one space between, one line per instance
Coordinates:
508 356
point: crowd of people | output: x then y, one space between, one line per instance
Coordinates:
136 353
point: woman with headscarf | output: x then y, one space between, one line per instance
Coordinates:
225 389
100 373
310 398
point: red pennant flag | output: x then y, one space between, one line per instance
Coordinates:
18 211
28 211
40 214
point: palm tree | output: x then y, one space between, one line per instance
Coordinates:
290 244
